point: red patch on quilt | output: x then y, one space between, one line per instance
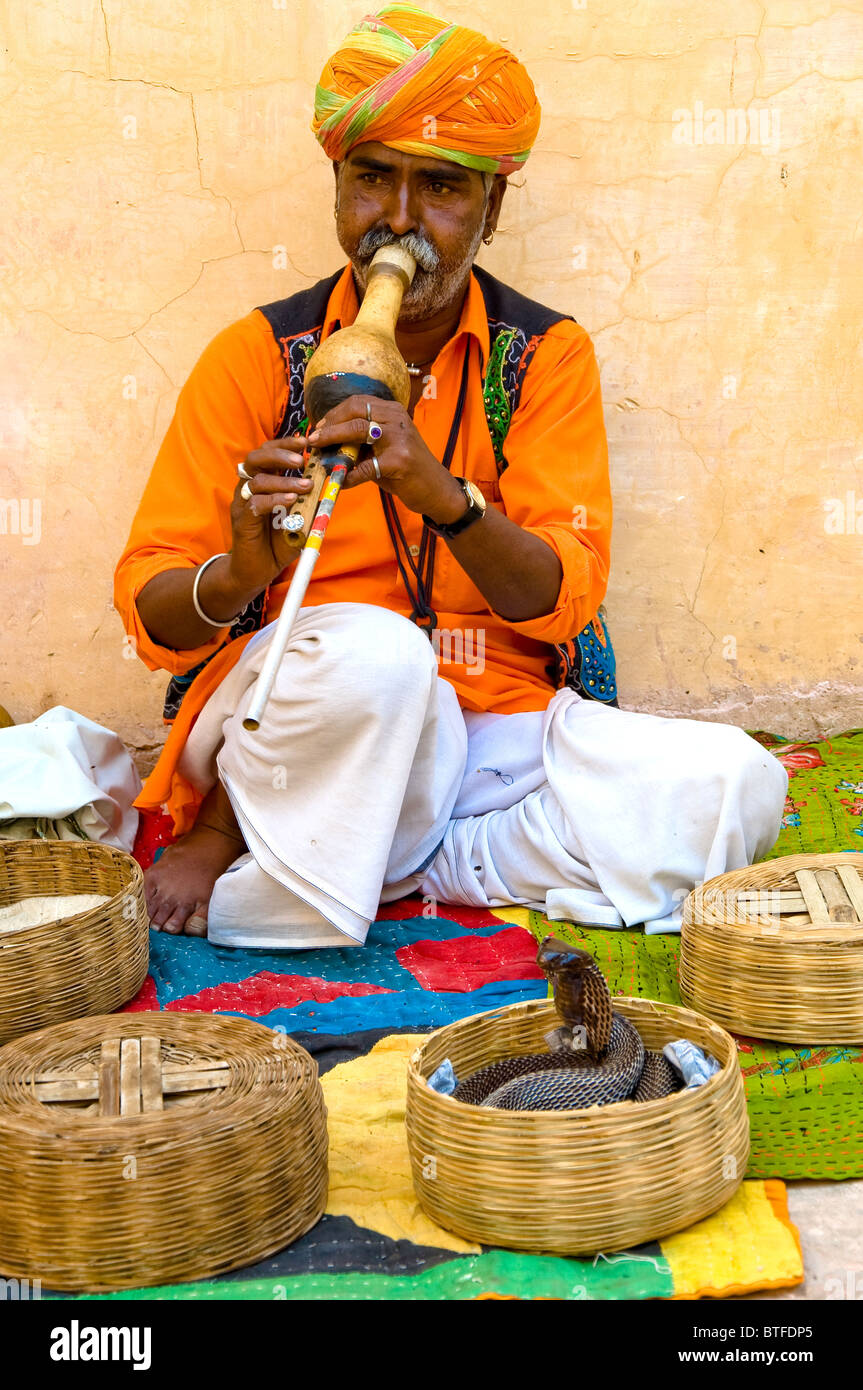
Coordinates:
407 908
465 963
259 994
145 1000
795 757
155 831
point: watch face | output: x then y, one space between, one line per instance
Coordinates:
476 495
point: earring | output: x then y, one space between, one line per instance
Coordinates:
487 240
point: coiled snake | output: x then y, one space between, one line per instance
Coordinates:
599 1057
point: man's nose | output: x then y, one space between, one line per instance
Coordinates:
399 212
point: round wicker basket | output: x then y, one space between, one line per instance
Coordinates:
87 964
573 1182
146 1148
776 950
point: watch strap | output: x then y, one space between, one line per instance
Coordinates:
455 528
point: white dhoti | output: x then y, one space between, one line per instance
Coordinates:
367 781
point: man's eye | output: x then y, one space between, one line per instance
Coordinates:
438 187
366 177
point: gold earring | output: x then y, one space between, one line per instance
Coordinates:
487 240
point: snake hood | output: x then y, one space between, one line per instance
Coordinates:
580 992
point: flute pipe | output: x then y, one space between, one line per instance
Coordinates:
297 591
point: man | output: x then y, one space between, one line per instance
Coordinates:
388 763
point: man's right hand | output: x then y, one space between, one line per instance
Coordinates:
256 558
256 555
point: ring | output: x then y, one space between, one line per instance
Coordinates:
241 469
376 466
245 492
374 431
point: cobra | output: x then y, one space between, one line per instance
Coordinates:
601 1057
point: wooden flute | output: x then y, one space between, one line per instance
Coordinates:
359 360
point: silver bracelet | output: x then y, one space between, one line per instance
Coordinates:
198 609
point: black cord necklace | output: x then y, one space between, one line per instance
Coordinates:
423 568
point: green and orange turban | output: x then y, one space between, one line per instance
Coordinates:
408 80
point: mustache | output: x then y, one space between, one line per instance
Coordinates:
415 243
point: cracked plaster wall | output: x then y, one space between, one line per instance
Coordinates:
153 157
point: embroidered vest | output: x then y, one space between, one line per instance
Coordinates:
516 327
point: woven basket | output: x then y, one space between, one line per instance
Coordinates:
146 1148
87 964
578 1181
776 950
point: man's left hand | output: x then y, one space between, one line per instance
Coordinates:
409 470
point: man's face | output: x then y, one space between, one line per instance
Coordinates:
437 209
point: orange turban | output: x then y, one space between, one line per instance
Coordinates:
408 80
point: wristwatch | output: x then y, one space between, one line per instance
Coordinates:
476 505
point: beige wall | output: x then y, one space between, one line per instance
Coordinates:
155 155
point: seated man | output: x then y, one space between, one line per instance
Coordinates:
388 762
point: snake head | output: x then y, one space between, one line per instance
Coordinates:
556 957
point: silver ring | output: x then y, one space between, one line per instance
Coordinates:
241 469
245 492
376 466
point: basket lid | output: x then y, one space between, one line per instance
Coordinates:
805 894
127 1068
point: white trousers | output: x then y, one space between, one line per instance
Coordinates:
366 781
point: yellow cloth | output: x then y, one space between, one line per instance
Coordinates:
370 1171
748 1244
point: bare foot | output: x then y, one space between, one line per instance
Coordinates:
179 884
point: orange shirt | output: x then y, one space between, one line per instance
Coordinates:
556 486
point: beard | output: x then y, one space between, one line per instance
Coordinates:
437 280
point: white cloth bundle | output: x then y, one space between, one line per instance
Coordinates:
63 764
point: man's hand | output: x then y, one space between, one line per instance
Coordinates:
409 470
517 573
256 557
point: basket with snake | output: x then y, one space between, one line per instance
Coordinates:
596 1056
630 1158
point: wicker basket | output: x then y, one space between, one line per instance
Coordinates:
577 1181
140 1149
87 964
776 950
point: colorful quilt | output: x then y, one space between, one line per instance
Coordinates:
359 1013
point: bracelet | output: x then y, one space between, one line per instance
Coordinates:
198 609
